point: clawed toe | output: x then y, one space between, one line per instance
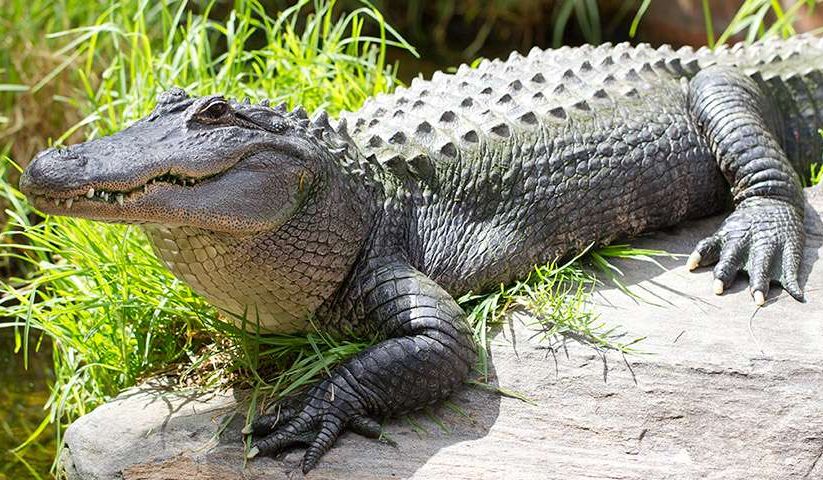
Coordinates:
317 432
316 425
759 298
718 286
764 240
265 424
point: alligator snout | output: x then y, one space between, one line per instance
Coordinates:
54 170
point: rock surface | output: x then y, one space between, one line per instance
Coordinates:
724 391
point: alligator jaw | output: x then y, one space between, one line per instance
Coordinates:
103 204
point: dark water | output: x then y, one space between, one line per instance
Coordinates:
23 392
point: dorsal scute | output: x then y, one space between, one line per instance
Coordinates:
502 101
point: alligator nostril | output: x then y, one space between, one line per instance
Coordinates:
70 154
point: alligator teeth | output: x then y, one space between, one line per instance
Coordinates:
90 193
56 202
120 199
146 188
69 202
106 196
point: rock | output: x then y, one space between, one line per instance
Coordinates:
723 390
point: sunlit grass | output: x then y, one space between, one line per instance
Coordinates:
816 174
556 296
754 19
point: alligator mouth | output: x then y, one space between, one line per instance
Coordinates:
91 196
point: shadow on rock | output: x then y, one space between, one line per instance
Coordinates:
153 432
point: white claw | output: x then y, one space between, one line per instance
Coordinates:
90 193
69 202
253 451
246 430
718 286
693 261
120 199
759 298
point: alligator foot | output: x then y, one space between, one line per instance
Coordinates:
329 409
762 236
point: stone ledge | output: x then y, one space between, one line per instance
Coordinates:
725 391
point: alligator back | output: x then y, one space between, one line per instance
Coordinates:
521 160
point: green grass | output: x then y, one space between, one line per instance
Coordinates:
754 19
556 297
816 174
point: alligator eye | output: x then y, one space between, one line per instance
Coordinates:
214 111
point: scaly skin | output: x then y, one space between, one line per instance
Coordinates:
463 182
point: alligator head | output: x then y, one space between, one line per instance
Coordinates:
203 162
252 206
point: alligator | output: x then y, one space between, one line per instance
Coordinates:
371 224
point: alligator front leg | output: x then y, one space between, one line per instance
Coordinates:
764 235
426 353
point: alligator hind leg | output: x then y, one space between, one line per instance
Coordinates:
764 235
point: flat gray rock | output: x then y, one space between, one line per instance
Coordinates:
724 390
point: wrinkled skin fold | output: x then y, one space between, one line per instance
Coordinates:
374 225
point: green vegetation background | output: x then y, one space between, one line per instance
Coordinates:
94 299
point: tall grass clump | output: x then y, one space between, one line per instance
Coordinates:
760 18
754 19
113 314
816 174
33 71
